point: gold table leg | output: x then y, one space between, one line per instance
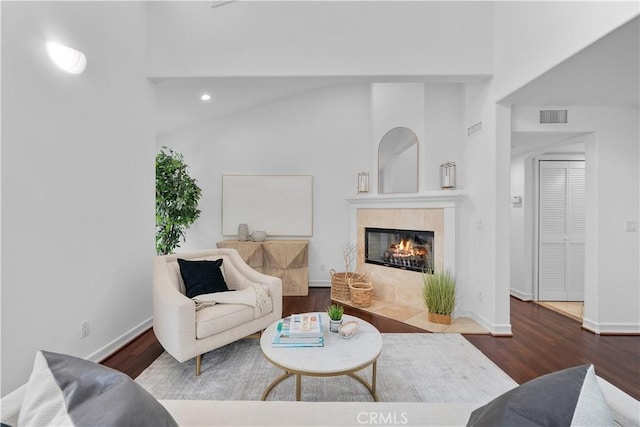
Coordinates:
275 383
370 386
373 379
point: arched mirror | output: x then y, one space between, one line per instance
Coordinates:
398 162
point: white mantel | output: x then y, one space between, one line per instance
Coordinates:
445 199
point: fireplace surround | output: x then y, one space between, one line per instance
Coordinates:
433 211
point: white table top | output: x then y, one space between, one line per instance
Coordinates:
337 357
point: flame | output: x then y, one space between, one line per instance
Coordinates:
405 246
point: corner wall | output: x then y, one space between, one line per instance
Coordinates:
77 182
611 154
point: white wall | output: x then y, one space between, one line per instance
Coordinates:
444 133
522 225
397 105
611 279
320 38
482 228
518 283
532 37
77 182
325 133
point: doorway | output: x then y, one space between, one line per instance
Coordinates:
561 230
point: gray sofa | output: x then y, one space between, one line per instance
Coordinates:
625 410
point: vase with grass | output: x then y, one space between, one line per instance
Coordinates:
439 292
335 312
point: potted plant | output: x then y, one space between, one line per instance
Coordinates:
439 292
177 197
335 312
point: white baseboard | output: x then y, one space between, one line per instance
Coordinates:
495 329
10 404
524 296
611 328
319 283
106 351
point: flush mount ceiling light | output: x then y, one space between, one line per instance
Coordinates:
205 97
68 59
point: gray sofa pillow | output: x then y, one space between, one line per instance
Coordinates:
66 390
570 397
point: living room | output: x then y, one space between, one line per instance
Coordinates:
78 173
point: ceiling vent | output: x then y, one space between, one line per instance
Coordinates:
477 128
553 116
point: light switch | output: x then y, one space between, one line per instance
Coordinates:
631 225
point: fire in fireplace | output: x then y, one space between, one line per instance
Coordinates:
405 249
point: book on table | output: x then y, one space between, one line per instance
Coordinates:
282 336
304 325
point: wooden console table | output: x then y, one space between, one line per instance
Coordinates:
286 259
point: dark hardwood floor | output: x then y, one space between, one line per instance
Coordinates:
543 341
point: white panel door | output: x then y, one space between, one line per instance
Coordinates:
561 231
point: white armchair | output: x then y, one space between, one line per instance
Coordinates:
186 333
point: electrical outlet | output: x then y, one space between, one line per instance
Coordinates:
84 329
323 267
480 296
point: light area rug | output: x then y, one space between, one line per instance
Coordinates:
439 368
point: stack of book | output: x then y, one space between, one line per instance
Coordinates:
299 330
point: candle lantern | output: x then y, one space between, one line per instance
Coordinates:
448 175
363 182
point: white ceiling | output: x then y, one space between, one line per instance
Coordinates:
524 142
605 73
178 103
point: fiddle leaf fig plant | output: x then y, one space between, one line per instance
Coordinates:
177 197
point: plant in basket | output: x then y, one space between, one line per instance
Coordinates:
340 281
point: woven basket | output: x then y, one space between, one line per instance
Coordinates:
340 284
361 293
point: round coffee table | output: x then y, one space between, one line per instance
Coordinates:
339 356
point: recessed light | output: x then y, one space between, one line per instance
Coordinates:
70 60
205 97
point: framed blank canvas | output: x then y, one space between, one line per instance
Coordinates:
281 205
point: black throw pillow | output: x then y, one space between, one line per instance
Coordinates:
202 277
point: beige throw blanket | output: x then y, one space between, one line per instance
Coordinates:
254 295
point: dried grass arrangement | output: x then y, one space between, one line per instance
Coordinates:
340 281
